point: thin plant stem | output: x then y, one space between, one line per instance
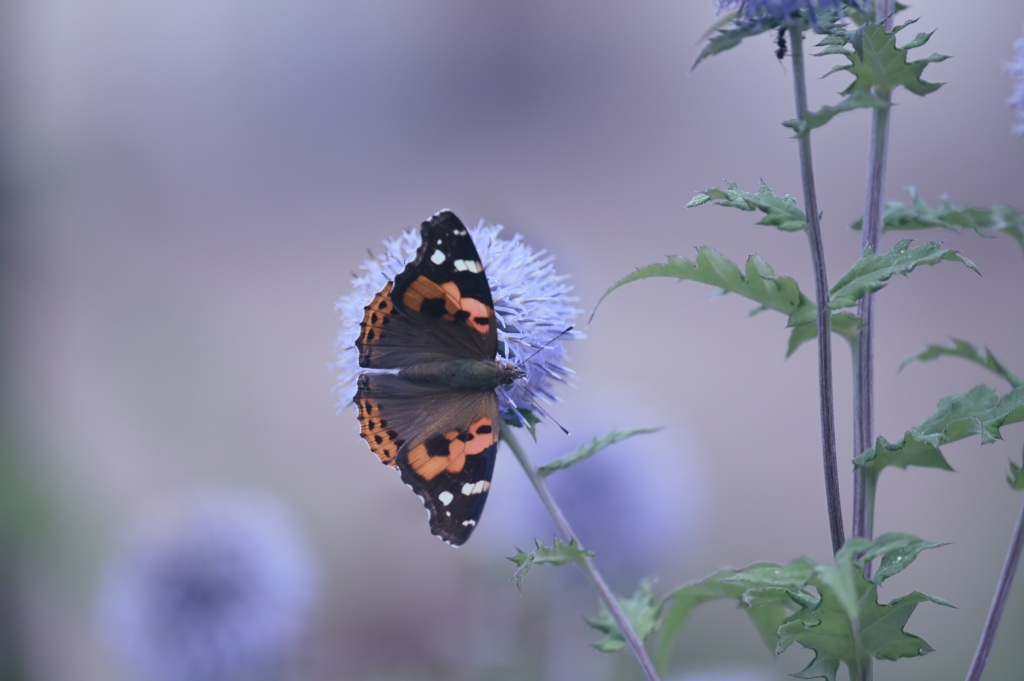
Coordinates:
828 428
864 480
995 611
587 565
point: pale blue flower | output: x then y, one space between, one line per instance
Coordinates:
532 302
781 11
219 589
1016 100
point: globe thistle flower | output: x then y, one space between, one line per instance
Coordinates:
1016 100
780 12
219 590
532 304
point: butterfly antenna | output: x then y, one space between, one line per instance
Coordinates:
552 340
535 404
551 418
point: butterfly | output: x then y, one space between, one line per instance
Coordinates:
427 403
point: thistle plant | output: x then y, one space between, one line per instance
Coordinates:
832 608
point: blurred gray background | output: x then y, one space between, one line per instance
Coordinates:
189 186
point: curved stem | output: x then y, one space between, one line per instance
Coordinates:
636 646
828 428
995 611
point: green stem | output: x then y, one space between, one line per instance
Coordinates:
636 646
865 480
828 427
864 348
995 611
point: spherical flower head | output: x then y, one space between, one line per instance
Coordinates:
219 590
1016 100
781 12
533 306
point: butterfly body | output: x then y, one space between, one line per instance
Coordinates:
427 403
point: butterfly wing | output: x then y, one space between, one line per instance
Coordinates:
443 443
438 308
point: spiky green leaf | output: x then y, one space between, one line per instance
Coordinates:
768 592
895 551
880 65
972 353
725 35
844 324
642 611
591 448
779 211
757 281
559 553
979 411
847 625
871 272
815 119
1016 476
878 68
997 219
832 609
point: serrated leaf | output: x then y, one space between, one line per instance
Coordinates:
768 592
779 211
642 611
878 67
983 221
757 281
591 448
844 324
871 272
979 411
972 353
862 99
838 617
847 625
725 35
1016 476
896 551
559 553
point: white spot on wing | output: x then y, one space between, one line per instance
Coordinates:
445 497
438 257
468 523
473 266
478 487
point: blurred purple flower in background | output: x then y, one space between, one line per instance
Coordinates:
532 303
640 504
219 588
1016 100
